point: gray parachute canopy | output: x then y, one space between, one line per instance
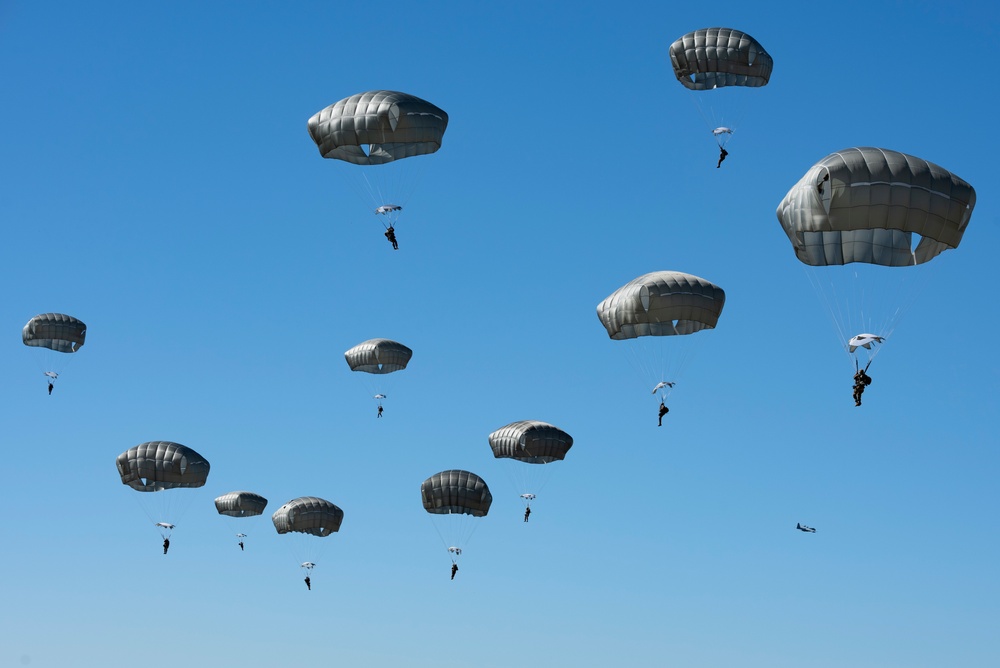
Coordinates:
661 303
308 514
60 332
716 57
157 465
392 125
456 492
378 356
530 441
240 504
865 204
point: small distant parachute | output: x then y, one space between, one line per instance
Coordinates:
159 469
530 442
304 520
661 303
376 358
383 129
725 62
456 492
523 445
56 333
309 515
656 314
883 212
240 504
456 499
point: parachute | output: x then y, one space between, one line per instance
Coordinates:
381 129
57 333
883 212
376 358
525 444
865 341
305 519
455 498
159 469
656 314
240 504
309 515
724 61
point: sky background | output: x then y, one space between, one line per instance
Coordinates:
158 183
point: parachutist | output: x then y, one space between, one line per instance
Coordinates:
390 234
803 527
166 545
722 156
241 546
861 381
379 411
309 585
51 386
527 513
454 569
663 411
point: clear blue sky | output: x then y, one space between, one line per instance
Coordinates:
158 182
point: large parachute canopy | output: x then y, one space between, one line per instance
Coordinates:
655 314
309 515
155 466
661 303
56 331
869 204
378 356
240 504
456 492
375 359
531 442
715 57
884 213
378 127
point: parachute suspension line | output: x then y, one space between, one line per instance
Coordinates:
662 359
164 506
460 530
528 478
727 111
866 299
